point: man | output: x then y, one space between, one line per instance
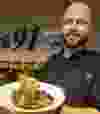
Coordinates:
76 25
72 70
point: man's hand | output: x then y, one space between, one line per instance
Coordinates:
6 102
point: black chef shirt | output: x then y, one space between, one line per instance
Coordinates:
71 73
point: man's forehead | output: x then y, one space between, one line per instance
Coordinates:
78 10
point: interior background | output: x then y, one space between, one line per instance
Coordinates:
44 12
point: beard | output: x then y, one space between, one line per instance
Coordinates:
75 40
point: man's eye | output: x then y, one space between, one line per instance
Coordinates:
82 22
68 21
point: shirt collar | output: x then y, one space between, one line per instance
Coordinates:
68 52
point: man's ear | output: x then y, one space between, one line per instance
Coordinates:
92 38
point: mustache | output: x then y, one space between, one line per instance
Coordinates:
73 34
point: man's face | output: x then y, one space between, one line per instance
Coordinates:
76 24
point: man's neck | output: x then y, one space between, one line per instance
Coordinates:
67 52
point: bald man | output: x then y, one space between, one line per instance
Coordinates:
72 70
77 25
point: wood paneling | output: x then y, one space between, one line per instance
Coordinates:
31 7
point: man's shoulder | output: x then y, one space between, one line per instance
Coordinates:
57 59
57 62
86 54
88 51
89 59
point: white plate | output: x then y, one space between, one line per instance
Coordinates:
56 92
50 89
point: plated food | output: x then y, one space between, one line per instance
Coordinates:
29 96
54 93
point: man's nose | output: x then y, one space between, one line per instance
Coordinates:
74 26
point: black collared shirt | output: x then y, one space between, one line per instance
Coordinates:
71 73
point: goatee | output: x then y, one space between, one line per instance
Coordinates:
81 43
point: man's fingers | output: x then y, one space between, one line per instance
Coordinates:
6 102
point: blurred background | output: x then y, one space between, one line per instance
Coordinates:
51 40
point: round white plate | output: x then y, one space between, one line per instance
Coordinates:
56 92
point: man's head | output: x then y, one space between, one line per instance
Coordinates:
77 24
